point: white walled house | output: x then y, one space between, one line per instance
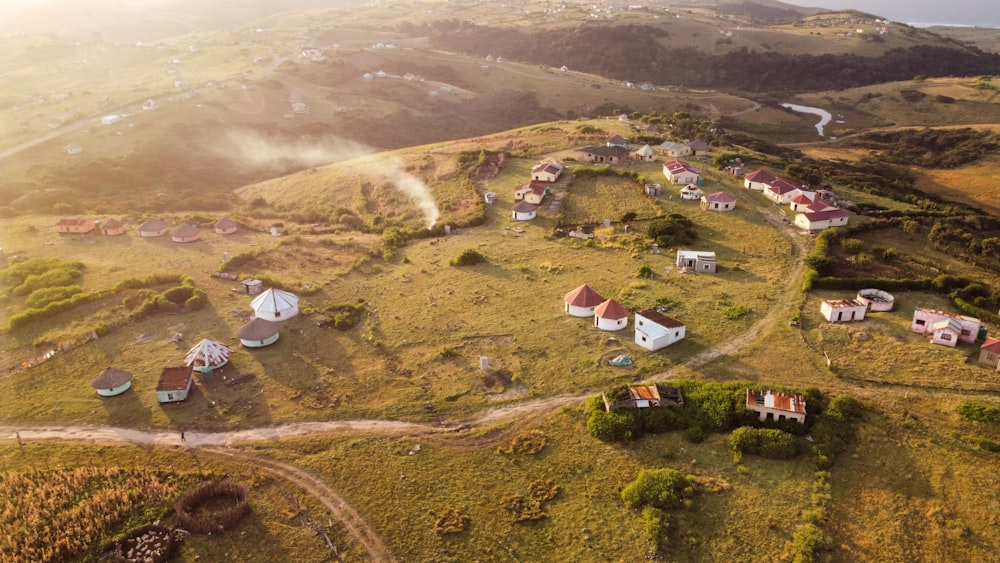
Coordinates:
611 315
843 310
989 352
697 260
654 331
582 301
645 154
548 171
943 328
679 172
782 191
533 192
759 180
776 406
719 201
821 220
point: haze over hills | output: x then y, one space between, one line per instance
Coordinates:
430 181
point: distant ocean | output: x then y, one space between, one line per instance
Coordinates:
919 13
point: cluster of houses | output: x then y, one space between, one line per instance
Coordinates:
148 229
773 406
175 382
940 327
617 150
813 211
527 197
653 330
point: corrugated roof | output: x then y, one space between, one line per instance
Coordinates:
174 379
991 345
208 353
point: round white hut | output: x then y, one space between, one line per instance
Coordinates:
112 381
226 226
185 233
523 211
582 301
258 333
275 305
208 355
611 315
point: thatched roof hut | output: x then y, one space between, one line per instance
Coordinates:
111 382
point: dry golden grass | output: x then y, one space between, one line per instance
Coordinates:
977 184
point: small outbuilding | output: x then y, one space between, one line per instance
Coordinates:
989 352
697 260
643 397
226 226
718 201
185 233
252 287
74 225
582 301
843 310
258 333
523 211
207 356
275 305
775 406
691 192
153 228
876 299
112 227
174 384
645 154
611 315
654 330
112 381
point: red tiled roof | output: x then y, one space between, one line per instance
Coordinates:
783 187
825 215
761 176
991 345
538 188
721 197
583 296
801 199
655 316
678 166
611 309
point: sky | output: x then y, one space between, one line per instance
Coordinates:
982 13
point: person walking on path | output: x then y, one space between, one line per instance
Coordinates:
182 436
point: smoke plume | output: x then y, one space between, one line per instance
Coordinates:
254 151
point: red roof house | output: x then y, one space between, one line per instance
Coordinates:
611 315
581 301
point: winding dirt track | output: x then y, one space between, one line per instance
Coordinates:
353 523
456 435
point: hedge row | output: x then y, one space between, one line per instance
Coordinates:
765 442
220 521
834 429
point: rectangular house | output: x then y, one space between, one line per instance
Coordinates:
654 330
843 310
776 406
943 328
697 260
174 384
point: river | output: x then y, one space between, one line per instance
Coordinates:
824 116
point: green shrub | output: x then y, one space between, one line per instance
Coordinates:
737 312
59 277
43 296
834 429
16 274
657 524
660 488
765 442
806 541
197 301
979 412
468 257
178 295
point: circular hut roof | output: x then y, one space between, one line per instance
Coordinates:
258 329
274 300
111 378
208 353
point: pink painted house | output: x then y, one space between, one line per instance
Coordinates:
943 328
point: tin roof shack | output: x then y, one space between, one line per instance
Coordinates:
843 310
776 406
174 384
642 397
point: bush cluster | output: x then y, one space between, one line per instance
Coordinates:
468 257
979 412
451 521
345 316
765 442
834 429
